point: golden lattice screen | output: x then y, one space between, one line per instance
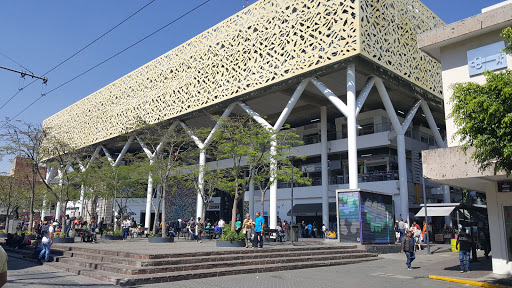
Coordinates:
271 41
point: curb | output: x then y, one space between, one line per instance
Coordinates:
469 282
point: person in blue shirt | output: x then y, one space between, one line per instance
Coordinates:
216 231
310 230
259 225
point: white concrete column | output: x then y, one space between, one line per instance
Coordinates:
43 212
325 167
273 188
82 194
49 171
149 199
402 176
57 211
352 126
251 198
200 182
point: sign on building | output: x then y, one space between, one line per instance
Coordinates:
485 58
214 205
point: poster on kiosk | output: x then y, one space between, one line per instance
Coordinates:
364 217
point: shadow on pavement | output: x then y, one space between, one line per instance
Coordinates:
475 266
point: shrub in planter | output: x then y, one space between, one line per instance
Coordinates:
231 239
159 239
112 235
60 237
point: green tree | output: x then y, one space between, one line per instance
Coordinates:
246 143
285 141
12 195
120 183
168 169
63 158
483 114
24 140
507 36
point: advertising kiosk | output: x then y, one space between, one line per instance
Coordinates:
364 217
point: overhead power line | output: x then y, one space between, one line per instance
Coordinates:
76 53
15 62
23 74
112 57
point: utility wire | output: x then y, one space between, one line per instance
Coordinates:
111 57
76 53
16 62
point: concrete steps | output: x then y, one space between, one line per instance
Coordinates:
126 269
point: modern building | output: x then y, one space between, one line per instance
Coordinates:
465 50
347 75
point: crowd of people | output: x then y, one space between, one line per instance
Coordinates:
418 232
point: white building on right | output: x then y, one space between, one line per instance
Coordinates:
465 50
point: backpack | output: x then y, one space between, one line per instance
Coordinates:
45 230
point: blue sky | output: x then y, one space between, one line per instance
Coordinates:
41 34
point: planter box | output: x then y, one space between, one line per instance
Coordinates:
161 240
110 237
230 243
64 240
3 235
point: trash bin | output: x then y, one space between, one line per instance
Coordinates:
294 233
287 233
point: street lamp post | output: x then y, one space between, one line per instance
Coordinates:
292 194
426 215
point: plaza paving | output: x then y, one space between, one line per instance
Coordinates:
389 271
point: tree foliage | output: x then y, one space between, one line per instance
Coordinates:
507 36
483 114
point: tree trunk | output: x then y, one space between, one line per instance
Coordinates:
7 219
233 212
32 195
64 221
164 226
262 201
157 210
203 214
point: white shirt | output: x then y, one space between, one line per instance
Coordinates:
221 223
46 237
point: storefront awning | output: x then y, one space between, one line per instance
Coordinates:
313 209
435 211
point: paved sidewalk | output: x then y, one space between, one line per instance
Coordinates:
389 271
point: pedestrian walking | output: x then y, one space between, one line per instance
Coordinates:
192 228
126 228
408 249
247 228
100 225
259 225
68 225
199 229
465 249
221 225
47 233
401 228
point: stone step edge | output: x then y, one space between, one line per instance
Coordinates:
131 270
188 254
130 280
199 257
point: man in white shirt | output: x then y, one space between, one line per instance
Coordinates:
3 267
221 225
47 241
